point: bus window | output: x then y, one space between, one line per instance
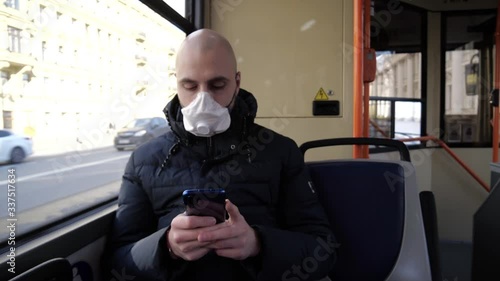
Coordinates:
396 96
468 77
75 73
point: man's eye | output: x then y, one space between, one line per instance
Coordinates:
189 86
218 85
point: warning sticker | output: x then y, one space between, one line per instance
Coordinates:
321 95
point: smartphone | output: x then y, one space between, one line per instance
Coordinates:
205 202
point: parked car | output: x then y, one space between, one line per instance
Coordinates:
14 148
140 131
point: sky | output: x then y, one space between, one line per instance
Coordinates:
178 5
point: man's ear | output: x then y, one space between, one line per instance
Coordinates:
238 81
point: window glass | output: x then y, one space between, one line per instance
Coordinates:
12 4
178 6
468 77
143 122
398 75
70 83
161 121
407 120
396 93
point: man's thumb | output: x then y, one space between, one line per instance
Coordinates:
232 210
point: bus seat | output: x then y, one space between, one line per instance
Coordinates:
486 238
429 213
57 269
374 210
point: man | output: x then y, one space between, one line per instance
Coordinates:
276 230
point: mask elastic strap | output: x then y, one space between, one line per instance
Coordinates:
232 99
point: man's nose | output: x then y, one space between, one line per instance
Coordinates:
206 89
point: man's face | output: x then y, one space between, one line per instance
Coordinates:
210 71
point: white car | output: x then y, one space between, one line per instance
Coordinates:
13 147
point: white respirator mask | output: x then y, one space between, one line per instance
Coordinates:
204 117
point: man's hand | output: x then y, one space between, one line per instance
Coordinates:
183 236
232 239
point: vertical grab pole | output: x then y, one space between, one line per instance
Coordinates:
496 118
366 85
357 76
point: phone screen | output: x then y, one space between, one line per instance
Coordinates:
205 202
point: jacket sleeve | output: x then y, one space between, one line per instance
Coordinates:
303 248
136 248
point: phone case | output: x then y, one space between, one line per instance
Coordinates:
205 202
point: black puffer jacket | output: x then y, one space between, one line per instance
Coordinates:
263 174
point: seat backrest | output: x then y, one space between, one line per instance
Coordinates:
57 269
374 209
486 238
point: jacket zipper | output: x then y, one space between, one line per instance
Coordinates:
210 148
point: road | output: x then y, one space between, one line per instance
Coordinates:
49 187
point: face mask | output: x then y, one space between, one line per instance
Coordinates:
204 117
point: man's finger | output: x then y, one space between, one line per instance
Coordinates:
190 222
182 236
213 227
191 246
233 211
218 234
224 244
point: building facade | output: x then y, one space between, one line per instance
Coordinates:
71 72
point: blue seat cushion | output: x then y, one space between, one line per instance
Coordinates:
364 201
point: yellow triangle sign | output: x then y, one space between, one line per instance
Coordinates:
321 95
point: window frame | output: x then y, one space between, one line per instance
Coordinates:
186 24
14 39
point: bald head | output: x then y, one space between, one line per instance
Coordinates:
204 41
206 63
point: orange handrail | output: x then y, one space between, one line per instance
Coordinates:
358 75
452 154
378 128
